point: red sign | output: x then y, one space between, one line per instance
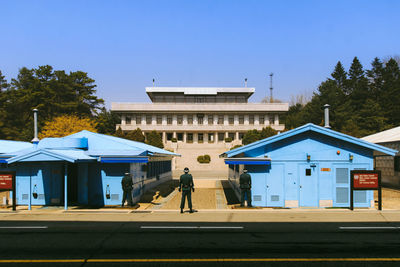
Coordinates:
365 180
6 181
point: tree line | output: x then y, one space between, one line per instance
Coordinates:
66 103
362 102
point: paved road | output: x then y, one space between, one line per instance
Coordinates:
176 244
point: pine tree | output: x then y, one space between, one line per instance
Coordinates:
119 133
136 135
155 139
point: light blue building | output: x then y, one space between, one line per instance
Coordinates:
85 168
305 167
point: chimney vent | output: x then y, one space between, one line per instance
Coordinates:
326 106
35 139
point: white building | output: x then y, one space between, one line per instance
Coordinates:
200 120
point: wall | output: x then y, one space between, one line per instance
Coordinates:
385 164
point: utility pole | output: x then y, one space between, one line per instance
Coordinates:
271 88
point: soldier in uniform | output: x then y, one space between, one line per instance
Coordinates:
186 186
127 189
245 188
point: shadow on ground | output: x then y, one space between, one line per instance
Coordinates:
161 190
231 198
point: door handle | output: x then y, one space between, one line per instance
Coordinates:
267 186
300 186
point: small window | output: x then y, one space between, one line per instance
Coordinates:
190 138
220 119
221 137
149 119
231 135
138 119
159 119
397 163
271 121
241 136
128 120
169 119
210 119
231 119
190 119
308 172
169 136
241 119
180 136
200 138
261 119
179 119
251 119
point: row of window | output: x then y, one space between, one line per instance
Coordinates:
211 119
201 137
200 99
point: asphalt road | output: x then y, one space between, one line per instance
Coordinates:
198 244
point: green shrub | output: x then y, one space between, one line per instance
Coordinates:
204 159
228 139
174 140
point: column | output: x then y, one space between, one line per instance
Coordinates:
205 137
66 186
226 121
143 119
256 120
154 119
246 120
164 137
174 119
123 119
267 120
237 136
184 120
236 120
216 137
174 135
194 119
184 137
164 120
276 121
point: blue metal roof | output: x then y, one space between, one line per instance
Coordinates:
102 144
70 155
305 128
7 146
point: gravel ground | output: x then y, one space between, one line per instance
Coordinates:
390 198
202 198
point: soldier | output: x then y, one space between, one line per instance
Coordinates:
127 189
245 188
185 185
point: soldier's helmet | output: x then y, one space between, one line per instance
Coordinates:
127 173
186 169
244 170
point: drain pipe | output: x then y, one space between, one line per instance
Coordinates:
35 139
326 106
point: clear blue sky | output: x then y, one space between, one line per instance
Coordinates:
124 44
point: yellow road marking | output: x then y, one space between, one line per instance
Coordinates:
205 260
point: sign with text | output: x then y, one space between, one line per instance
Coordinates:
6 181
366 180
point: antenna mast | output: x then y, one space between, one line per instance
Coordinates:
271 88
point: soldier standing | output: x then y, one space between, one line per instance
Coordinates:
186 186
245 188
127 189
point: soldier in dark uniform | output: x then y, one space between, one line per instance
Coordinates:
245 188
186 186
127 189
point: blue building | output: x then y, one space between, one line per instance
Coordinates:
85 168
305 167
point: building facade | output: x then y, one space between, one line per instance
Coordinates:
388 165
216 118
305 167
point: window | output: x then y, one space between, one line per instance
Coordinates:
210 137
231 135
190 138
200 138
308 172
261 119
241 119
128 120
159 119
190 119
169 119
251 119
241 136
138 119
180 136
221 137
397 163
200 118
199 99
169 136
210 119
271 120
220 119
231 119
180 119
148 119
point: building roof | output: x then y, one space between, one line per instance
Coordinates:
391 135
305 128
86 146
247 91
7 146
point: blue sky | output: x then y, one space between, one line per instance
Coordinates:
123 45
